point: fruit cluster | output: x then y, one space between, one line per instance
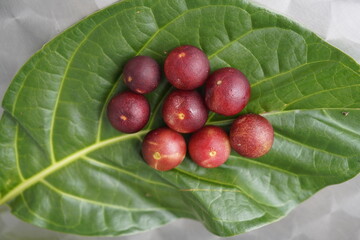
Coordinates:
185 110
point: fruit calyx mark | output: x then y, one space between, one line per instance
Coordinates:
212 153
157 156
181 55
181 116
123 117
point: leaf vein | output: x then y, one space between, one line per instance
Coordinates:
286 106
104 165
246 194
17 153
309 147
95 202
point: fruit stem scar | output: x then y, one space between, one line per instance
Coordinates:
212 153
157 155
129 79
181 116
181 55
123 117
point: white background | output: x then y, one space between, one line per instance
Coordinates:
331 214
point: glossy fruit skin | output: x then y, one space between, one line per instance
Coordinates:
128 112
227 91
163 149
251 135
209 147
186 67
142 74
184 111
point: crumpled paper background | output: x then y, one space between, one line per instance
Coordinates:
331 214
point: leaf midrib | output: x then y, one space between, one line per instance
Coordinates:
63 163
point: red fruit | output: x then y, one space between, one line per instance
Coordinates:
163 149
142 74
186 67
227 91
209 147
184 111
251 135
128 112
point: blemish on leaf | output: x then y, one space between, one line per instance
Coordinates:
345 113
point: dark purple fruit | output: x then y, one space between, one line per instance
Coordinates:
163 149
142 74
209 147
184 111
186 67
227 91
128 112
251 135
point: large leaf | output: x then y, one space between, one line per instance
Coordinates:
63 167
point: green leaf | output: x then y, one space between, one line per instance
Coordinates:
63 167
